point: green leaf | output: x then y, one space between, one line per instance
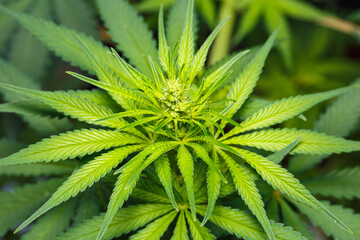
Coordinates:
52 224
83 178
248 21
77 15
330 227
70 105
73 144
213 188
163 169
343 183
243 225
88 207
246 80
300 10
338 120
274 19
129 31
197 231
180 230
163 52
11 75
61 41
186 165
38 169
24 46
149 191
248 192
16 205
202 153
284 109
311 142
155 229
279 156
285 182
175 22
124 221
293 219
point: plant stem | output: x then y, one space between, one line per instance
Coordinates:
339 25
222 42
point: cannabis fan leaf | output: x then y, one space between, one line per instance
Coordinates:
166 116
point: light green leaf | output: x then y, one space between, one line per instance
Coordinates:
248 192
180 231
300 10
155 229
311 142
343 183
285 182
129 31
186 165
73 144
83 178
197 231
70 105
163 169
124 221
246 80
284 109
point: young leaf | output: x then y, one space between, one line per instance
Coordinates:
186 165
248 192
197 231
69 145
246 81
155 229
310 143
124 221
180 230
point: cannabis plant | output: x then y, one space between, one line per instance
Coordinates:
168 113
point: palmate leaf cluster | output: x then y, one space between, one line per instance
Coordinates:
159 119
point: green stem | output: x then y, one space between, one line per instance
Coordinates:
221 46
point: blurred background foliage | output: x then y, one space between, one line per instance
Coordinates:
318 49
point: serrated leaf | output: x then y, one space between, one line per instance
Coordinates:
149 191
77 15
52 224
248 192
70 105
279 178
61 40
124 221
24 46
155 229
16 205
311 142
129 31
243 225
197 231
180 230
186 165
293 219
284 109
338 120
162 166
343 183
82 178
330 227
175 22
246 80
69 145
